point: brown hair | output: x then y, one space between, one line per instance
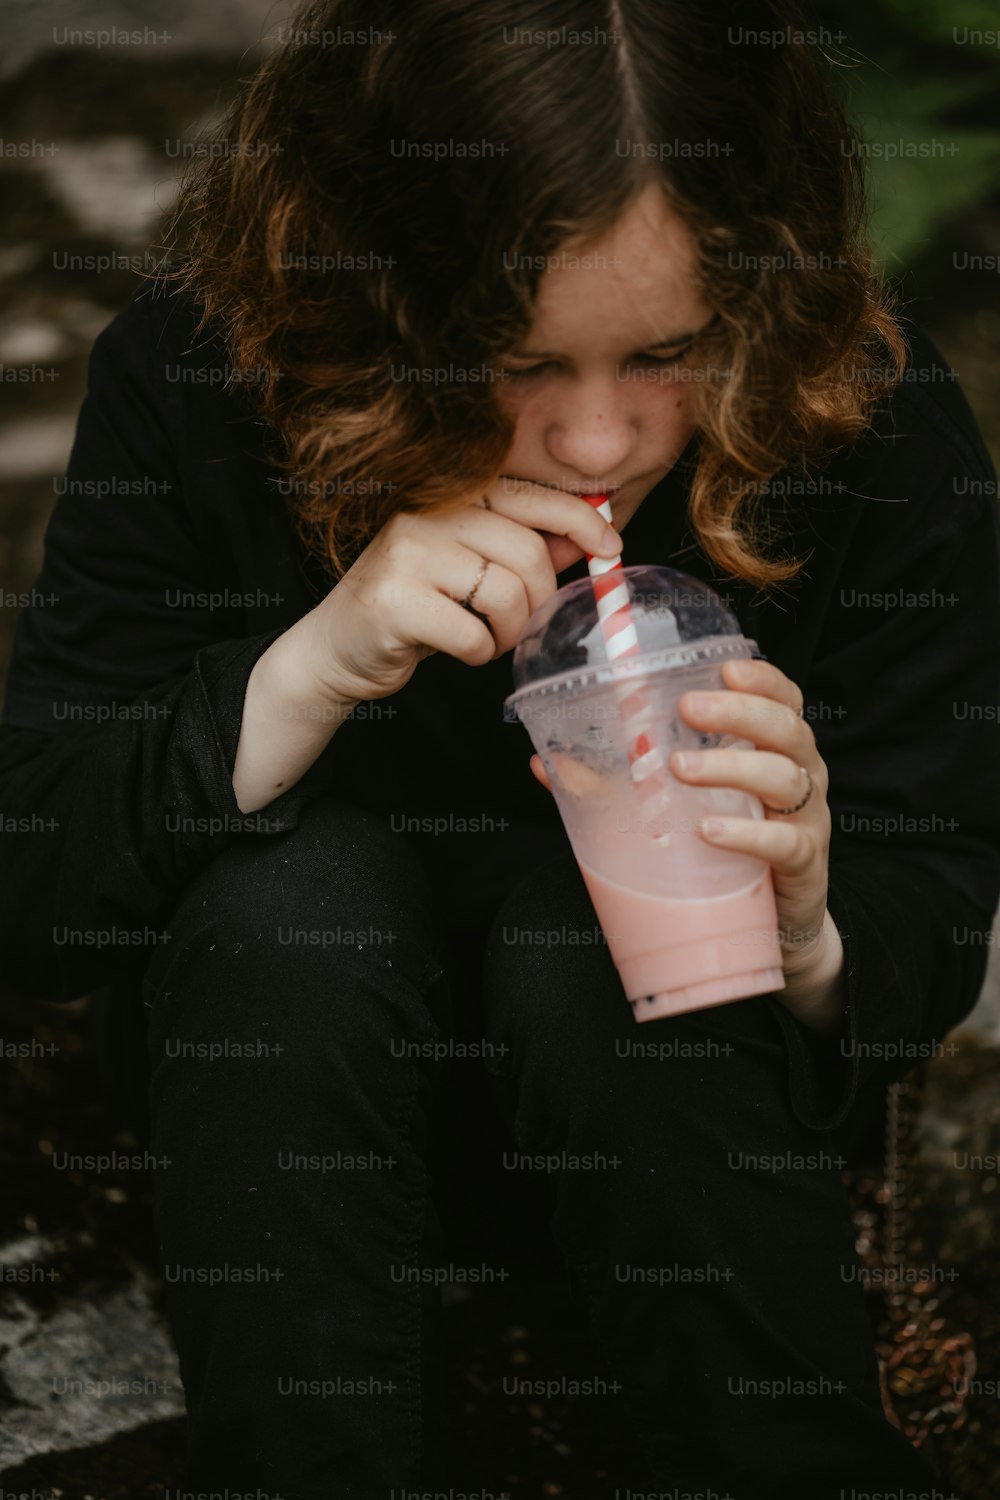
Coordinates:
387 187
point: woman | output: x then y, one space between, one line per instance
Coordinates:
450 269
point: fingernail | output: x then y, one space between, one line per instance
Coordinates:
611 539
715 827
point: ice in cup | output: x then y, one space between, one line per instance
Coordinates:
688 925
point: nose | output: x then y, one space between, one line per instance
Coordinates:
592 432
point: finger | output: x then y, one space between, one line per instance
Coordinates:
768 724
431 615
786 846
775 779
505 543
539 770
501 598
764 678
555 514
433 622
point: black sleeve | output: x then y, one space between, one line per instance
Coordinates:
113 793
904 698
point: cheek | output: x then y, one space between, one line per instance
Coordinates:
528 420
666 406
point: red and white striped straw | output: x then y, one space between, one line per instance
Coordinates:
646 761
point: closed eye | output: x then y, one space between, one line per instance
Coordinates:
527 372
662 361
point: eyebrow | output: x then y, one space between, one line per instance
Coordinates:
667 343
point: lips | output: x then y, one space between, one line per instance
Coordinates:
567 489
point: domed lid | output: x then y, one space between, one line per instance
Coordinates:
678 620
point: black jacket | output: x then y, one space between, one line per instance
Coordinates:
171 564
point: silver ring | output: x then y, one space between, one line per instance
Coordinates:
467 601
784 811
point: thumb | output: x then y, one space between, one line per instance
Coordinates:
539 771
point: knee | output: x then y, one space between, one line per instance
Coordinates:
548 976
331 919
554 1008
552 995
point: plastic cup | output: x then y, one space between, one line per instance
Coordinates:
688 925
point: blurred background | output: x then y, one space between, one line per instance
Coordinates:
100 108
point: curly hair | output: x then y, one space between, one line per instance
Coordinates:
327 241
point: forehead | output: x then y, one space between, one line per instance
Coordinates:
636 281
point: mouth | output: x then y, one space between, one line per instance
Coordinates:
568 489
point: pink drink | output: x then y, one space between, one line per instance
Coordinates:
688 924
694 942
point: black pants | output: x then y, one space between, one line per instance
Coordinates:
299 1236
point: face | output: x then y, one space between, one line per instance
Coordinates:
601 386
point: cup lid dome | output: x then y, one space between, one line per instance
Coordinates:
678 619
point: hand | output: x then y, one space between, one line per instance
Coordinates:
766 708
400 601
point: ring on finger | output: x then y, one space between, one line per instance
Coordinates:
785 811
467 601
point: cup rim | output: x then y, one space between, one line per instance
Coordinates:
600 674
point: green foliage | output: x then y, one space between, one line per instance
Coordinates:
926 102
943 21
925 173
